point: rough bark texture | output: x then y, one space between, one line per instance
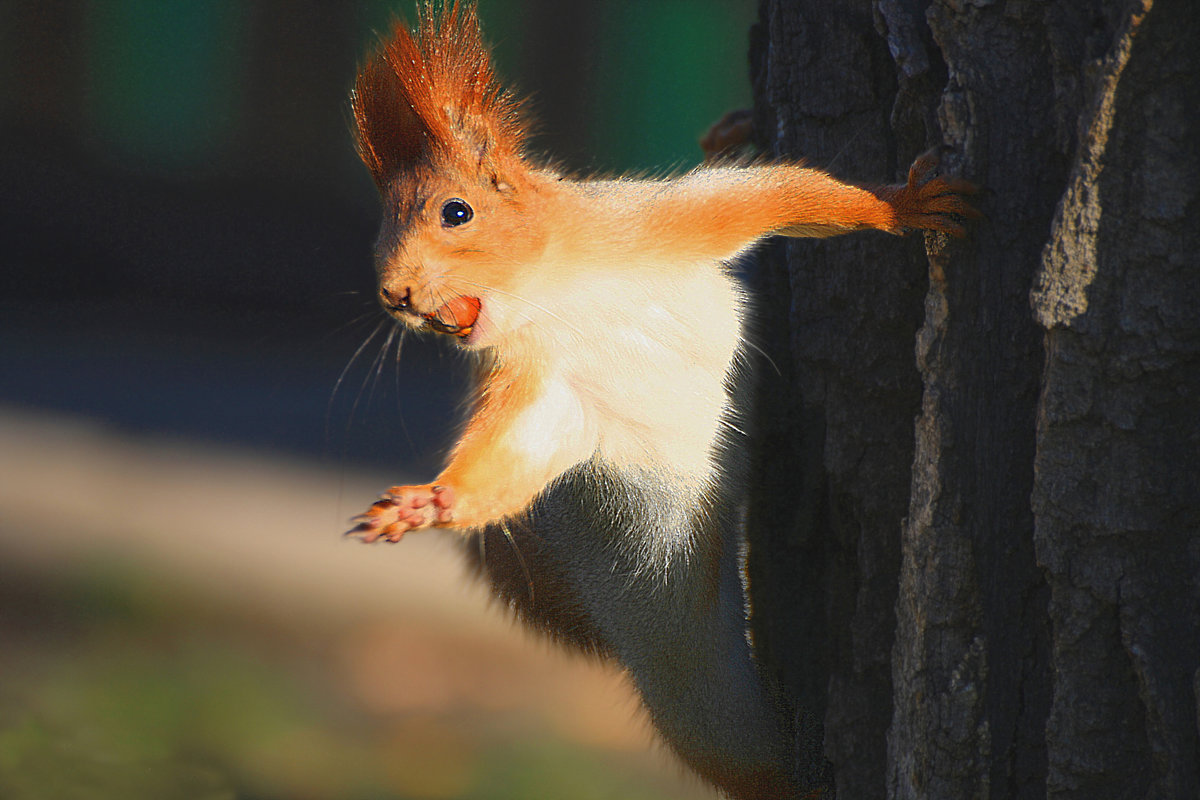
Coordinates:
1002 599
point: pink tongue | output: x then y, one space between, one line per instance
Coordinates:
460 313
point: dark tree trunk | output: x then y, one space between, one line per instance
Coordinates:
1001 599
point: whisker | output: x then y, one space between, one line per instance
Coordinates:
520 558
337 385
727 424
845 146
396 371
372 379
352 322
764 354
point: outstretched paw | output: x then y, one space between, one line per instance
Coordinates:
934 204
402 509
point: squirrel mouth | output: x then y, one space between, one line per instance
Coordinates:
455 318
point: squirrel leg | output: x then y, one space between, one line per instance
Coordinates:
728 135
525 431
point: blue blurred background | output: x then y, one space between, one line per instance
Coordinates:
195 394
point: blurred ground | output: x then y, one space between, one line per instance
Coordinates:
181 620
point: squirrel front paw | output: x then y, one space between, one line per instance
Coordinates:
402 509
931 203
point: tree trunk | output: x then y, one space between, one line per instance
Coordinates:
1002 599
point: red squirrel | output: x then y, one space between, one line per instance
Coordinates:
600 479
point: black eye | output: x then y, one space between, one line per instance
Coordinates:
456 212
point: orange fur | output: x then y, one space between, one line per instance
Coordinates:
434 94
612 330
494 478
559 274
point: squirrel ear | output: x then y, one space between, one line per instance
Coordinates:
388 132
431 93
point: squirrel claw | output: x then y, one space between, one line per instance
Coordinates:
394 532
929 202
366 530
402 509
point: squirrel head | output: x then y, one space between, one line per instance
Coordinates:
444 144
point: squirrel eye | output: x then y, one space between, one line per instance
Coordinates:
456 212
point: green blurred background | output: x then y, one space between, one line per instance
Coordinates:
195 392
186 168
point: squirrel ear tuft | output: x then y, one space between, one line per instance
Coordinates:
388 132
432 94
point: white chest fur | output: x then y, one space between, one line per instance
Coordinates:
649 383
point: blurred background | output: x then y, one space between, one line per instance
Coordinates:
196 393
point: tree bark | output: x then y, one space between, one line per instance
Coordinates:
1002 599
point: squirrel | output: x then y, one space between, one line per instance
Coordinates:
599 482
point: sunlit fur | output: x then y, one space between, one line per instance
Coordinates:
435 92
587 287
610 331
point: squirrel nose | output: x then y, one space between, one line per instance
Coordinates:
396 300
